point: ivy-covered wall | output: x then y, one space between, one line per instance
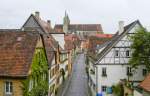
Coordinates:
37 82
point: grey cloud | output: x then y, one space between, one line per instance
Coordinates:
13 13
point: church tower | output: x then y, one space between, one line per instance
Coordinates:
66 23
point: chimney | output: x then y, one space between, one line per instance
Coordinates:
37 14
121 27
49 23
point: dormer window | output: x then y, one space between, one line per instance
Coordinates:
116 53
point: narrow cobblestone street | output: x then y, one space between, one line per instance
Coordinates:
77 86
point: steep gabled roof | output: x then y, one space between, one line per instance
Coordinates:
50 46
116 39
145 84
17 50
43 24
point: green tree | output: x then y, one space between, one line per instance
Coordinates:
140 48
38 76
118 89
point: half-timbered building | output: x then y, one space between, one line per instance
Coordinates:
112 62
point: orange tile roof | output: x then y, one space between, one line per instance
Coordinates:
145 84
104 35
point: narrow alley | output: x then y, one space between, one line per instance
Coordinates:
77 86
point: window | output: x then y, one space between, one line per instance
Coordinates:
127 53
104 88
104 72
116 53
8 87
129 71
144 72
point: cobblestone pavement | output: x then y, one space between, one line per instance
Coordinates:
78 83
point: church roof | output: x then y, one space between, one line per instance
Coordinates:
80 27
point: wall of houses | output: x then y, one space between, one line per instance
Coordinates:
17 90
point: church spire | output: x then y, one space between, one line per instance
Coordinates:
66 13
66 23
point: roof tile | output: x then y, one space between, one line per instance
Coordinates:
16 56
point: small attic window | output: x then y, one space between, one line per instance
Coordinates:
19 38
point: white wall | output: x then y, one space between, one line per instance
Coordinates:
60 39
117 66
115 73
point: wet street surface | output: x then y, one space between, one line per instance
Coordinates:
78 83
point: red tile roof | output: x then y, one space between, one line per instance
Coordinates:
70 41
104 35
17 49
98 39
145 84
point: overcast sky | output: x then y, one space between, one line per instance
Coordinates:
13 13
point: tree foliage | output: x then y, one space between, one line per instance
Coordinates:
38 76
118 89
140 48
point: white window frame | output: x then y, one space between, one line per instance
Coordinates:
10 84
